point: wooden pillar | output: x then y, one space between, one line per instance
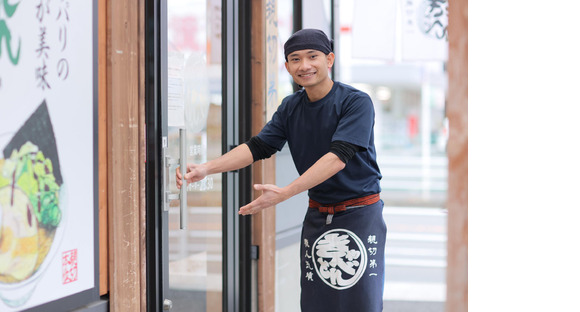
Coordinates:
126 141
264 223
457 155
142 238
103 217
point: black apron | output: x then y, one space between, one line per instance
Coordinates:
343 263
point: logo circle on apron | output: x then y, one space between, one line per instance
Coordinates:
340 258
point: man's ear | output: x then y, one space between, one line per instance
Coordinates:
330 59
286 64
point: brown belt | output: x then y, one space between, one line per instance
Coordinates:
331 209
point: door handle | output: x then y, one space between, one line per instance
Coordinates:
183 190
167 163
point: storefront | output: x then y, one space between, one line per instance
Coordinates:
102 100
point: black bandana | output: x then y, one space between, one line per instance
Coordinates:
308 39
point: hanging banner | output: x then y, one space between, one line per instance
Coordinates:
48 201
317 14
374 29
424 30
272 100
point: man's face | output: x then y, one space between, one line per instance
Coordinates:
309 67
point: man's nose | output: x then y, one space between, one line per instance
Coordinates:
305 64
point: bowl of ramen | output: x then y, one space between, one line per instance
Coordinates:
30 214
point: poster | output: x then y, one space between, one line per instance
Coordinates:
175 90
47 147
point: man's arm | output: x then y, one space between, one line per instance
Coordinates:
239 157
327 166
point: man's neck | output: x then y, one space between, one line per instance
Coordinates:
319 91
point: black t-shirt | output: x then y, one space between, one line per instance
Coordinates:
344 114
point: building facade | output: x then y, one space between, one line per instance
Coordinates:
165 82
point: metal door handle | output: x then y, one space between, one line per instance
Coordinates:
183 190
167 163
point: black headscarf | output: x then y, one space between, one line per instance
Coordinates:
308 39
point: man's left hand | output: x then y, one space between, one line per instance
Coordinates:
271 195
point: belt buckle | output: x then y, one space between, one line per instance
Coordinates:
332 209
326 209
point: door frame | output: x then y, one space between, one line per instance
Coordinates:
236 86
153 164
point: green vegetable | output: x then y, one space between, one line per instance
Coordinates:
32 172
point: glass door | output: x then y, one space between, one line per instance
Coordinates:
193 81
198 247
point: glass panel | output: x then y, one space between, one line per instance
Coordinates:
194 86
290 213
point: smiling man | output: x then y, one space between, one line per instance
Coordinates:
328 126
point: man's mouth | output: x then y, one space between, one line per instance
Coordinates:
307 75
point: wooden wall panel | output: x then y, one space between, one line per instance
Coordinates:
141 164
103 221
264 223
457 153
125 154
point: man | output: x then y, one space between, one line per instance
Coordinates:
329 129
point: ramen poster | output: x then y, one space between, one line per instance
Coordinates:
47 180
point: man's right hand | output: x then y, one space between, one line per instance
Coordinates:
194 173
239 157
